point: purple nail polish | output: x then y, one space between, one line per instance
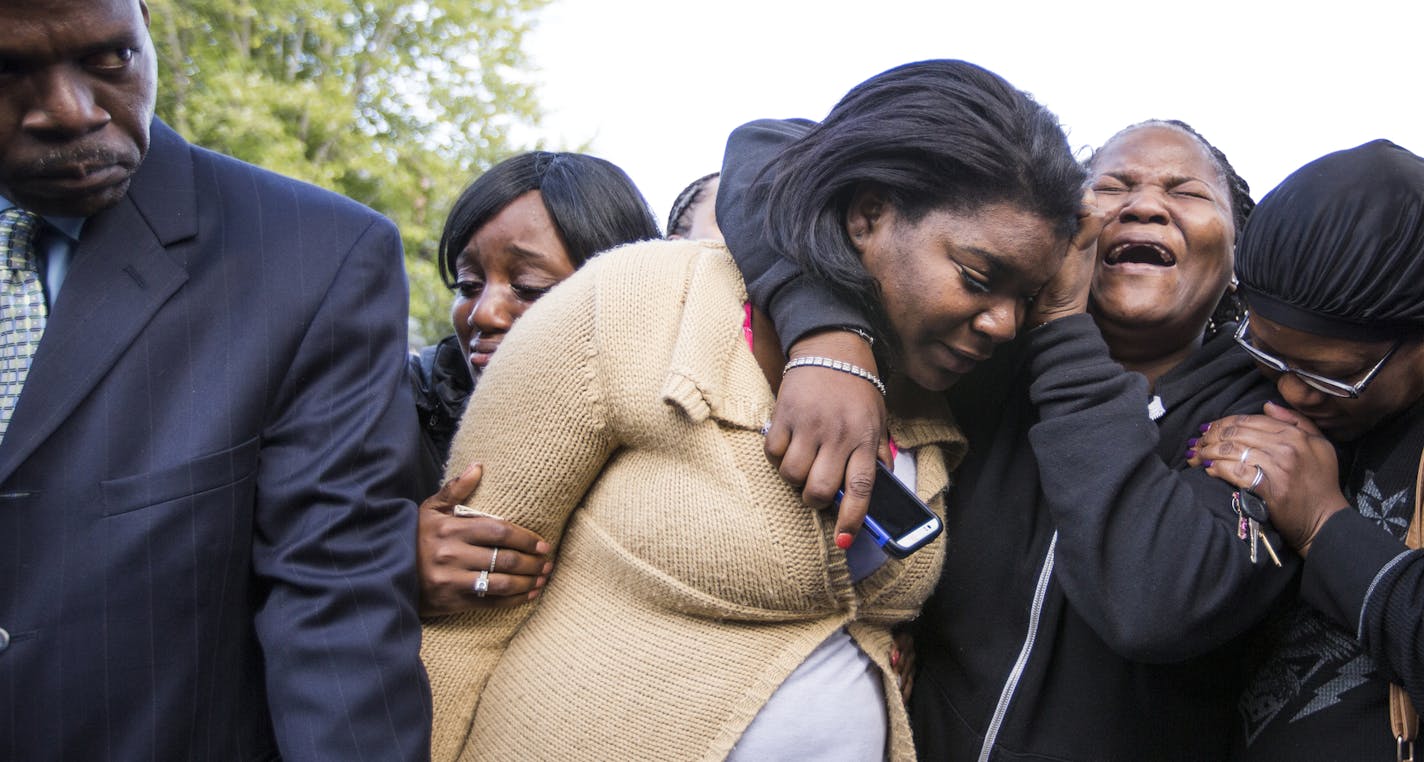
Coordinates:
1193 442
1204 427
1191 454
1206 464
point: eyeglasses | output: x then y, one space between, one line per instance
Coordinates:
1331 386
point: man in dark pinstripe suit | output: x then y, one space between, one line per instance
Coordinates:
204 551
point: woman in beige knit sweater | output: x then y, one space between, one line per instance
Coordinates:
700 611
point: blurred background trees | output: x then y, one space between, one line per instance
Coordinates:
395 103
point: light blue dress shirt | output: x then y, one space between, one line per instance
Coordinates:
57 242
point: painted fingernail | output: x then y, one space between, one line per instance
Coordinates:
895 657
1191 454
539 582
1192 443
843 540
548 567
541 547
1206 464
1205 427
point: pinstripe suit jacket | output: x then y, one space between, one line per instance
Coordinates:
204 548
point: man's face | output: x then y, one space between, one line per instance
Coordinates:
77 86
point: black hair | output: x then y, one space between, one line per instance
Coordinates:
594 205
928 135
1337 248
1230 309
680 219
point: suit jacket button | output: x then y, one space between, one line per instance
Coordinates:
4 639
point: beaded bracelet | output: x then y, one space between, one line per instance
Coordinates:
840 365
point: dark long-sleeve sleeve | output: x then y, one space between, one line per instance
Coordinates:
1148 553
335 547
1371 583
797 304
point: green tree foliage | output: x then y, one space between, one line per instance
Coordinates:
395 103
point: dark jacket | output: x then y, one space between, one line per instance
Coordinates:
441 383
797 302
206 549
1093 587
1319 690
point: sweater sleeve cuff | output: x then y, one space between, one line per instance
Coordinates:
1347 555
802 306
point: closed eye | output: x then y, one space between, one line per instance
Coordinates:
1109 184
530 293
1191 188
974 281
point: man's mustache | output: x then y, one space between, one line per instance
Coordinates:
75 161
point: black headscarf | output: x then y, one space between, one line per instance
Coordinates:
1337 249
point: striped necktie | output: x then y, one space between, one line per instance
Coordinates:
22 306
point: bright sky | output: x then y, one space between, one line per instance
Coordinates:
655 85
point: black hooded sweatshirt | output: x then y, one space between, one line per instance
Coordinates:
1095 591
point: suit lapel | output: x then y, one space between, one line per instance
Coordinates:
119 277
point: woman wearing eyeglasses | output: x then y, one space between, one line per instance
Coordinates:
1332 268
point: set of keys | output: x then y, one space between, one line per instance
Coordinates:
1250 512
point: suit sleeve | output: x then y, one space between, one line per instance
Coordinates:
334 545
537 422
1372 584
797 304
1149 555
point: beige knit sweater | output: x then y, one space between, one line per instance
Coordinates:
621 422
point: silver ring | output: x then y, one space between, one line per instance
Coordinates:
1260 474
482 584
493 557
1244 453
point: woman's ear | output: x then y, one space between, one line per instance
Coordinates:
864 216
